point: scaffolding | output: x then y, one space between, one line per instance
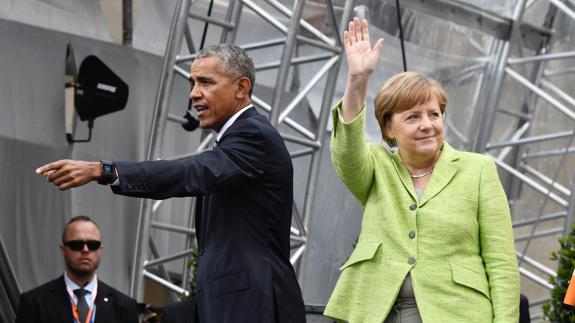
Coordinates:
532 156
524 152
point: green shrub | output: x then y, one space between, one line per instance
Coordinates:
192 265
555 310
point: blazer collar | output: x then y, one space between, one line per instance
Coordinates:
243 113
104 302
443 171
61 300
250 112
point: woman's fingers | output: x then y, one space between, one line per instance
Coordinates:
352 36
357 31
364 30
378 44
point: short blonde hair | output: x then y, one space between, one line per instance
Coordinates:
404 91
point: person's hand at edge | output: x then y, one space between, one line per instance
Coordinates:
68 173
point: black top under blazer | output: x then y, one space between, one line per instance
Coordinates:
243 229
50 303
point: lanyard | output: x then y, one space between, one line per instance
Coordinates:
91 312
89 317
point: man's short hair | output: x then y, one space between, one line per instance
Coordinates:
234 61
84 218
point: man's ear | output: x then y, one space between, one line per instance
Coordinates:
244 86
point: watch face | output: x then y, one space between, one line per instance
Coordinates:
107 169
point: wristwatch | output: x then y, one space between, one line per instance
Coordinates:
108 170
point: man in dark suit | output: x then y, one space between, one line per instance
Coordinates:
78 295
246 189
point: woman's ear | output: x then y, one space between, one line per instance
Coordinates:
388 131
244 86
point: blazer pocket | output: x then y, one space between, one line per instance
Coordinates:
470 278
229 283
363 251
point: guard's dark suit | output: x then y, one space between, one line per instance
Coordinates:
246 185
50 303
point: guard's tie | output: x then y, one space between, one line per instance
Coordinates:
82 304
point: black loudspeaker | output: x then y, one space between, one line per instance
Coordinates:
98 90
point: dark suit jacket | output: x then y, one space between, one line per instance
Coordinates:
181 312
50 303
246 185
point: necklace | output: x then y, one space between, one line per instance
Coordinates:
421 175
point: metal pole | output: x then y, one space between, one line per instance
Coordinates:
155 138
286 58
190 239
320 134
488 118
529 104
544 57
482 88
127 22
233 15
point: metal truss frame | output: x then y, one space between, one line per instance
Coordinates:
508 150
176 63
512 151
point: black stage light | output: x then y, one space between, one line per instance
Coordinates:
98 90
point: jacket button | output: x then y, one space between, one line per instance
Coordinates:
413 207
411 234
411 260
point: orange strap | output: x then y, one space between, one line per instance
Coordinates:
77 317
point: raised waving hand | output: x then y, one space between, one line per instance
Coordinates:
362 59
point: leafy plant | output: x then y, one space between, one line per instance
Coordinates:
192 265
555 311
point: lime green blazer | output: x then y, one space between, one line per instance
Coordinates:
456 241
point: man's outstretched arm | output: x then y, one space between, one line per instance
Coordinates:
67 173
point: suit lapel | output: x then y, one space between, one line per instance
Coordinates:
444 170
203 203
104 304
61 300
403 174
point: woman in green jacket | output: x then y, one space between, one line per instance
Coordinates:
436 243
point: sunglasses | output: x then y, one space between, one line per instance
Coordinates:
78 245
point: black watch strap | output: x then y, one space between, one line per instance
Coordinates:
108 170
